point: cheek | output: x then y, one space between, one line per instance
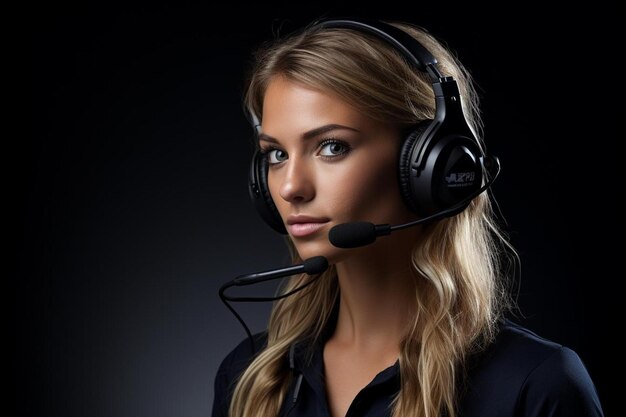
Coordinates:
366 189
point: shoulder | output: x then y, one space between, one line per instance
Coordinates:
529 375
231 367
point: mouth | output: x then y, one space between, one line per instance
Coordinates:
304 229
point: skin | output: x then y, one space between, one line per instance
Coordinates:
361 184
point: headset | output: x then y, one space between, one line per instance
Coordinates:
440 164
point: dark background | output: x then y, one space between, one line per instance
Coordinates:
133 207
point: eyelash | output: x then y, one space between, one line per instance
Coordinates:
266 151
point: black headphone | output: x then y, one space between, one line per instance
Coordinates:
440 164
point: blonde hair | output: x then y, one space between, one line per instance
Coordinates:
458 293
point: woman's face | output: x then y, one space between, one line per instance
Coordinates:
329 162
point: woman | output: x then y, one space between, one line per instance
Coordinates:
411 324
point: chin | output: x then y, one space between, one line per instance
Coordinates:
308 250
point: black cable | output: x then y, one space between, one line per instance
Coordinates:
225 299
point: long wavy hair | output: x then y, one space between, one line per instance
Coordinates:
459 289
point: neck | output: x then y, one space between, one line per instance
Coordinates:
376 294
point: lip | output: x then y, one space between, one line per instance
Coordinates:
303 225
304 229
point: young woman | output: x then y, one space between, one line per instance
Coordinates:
411 324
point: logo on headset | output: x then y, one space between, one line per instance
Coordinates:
460 179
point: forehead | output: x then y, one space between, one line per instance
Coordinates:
288 105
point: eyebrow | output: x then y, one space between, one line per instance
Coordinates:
311 133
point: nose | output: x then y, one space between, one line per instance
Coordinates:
297 184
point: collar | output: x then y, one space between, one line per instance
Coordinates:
306 358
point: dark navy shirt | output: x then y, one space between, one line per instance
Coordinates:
519 375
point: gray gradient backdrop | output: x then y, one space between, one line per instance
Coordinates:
133 207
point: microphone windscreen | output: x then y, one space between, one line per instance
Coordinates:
315 265
352 235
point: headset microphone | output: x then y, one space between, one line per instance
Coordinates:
311 266
355 234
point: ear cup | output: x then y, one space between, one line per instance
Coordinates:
449 170
260 193
404 166
457 172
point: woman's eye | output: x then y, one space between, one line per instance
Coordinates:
333 147
275 156
329 149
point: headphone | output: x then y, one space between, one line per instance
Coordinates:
440 165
